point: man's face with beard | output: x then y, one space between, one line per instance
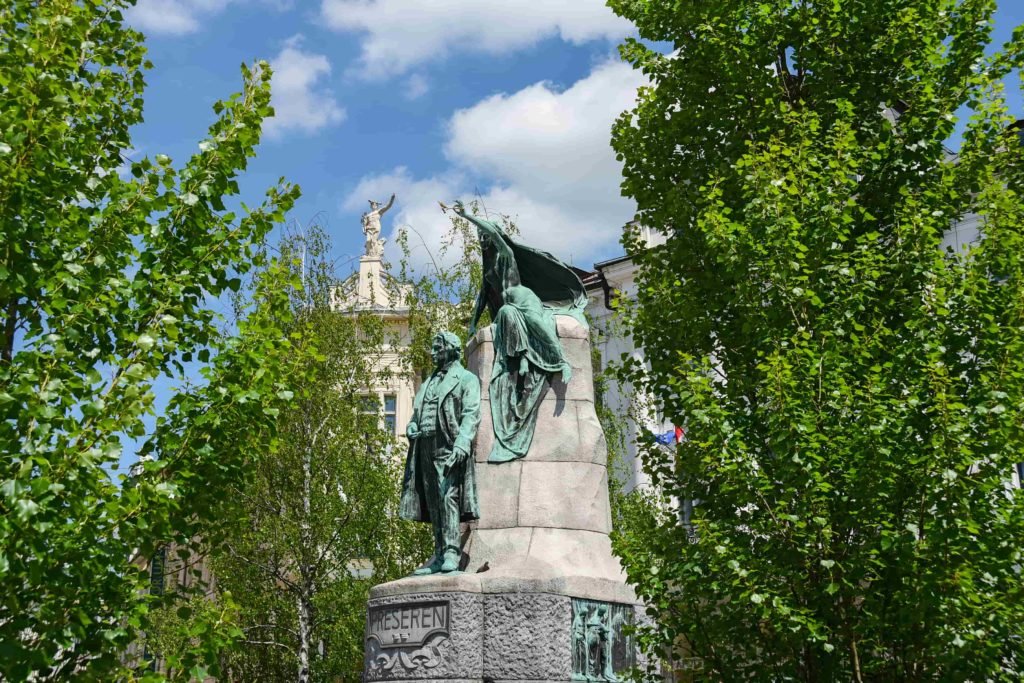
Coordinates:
439 352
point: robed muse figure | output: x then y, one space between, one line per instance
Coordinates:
440 481
522 289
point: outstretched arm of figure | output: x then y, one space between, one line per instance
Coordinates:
388 205
487 227
495 236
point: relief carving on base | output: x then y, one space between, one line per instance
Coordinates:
602 647
390 664
405 639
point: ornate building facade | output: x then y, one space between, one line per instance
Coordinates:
372 290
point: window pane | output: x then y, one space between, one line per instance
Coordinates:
369 404
156 571
389 403
390 423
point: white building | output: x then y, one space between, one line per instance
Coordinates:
371 290
609 285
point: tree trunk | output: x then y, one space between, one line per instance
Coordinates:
305 632
305 597
10 326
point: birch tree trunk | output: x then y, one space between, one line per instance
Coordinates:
305 624
306 567
318 504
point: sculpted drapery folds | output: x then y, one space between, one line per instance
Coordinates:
522 289
440 481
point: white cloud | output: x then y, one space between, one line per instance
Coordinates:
172 17
552 146
398 34
542 157
179 17
416 86
299 101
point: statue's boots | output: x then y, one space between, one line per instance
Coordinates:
451 560
435 564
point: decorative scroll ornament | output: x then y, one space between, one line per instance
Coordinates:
387 664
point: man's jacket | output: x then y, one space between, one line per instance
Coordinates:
458 417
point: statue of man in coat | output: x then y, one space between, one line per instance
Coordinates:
440 482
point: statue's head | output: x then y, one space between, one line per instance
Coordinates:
445 348
374 205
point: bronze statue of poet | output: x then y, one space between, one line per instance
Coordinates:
440 482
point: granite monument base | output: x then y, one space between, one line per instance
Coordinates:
541 597
459 632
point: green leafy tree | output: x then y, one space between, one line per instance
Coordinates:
309 624
852 391
107 284
315 525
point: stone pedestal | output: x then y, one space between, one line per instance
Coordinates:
538 565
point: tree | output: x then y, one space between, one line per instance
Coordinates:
634 507
294 573
852 390
107 284
320 509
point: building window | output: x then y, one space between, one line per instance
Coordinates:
372 404
360 568
156 571
390 413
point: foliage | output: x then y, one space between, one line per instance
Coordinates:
637 512
323 503
852 391
177 629
106 287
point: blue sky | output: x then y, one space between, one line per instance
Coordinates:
431 99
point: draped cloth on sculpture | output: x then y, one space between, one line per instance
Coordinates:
524 288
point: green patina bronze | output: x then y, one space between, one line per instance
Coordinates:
602 649
440 480
522 289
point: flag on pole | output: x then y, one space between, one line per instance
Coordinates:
674 435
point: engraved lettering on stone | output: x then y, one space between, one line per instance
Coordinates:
407 624
601 649
406 638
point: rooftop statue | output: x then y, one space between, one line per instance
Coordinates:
522 289
371 227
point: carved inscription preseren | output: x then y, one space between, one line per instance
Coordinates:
407 624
